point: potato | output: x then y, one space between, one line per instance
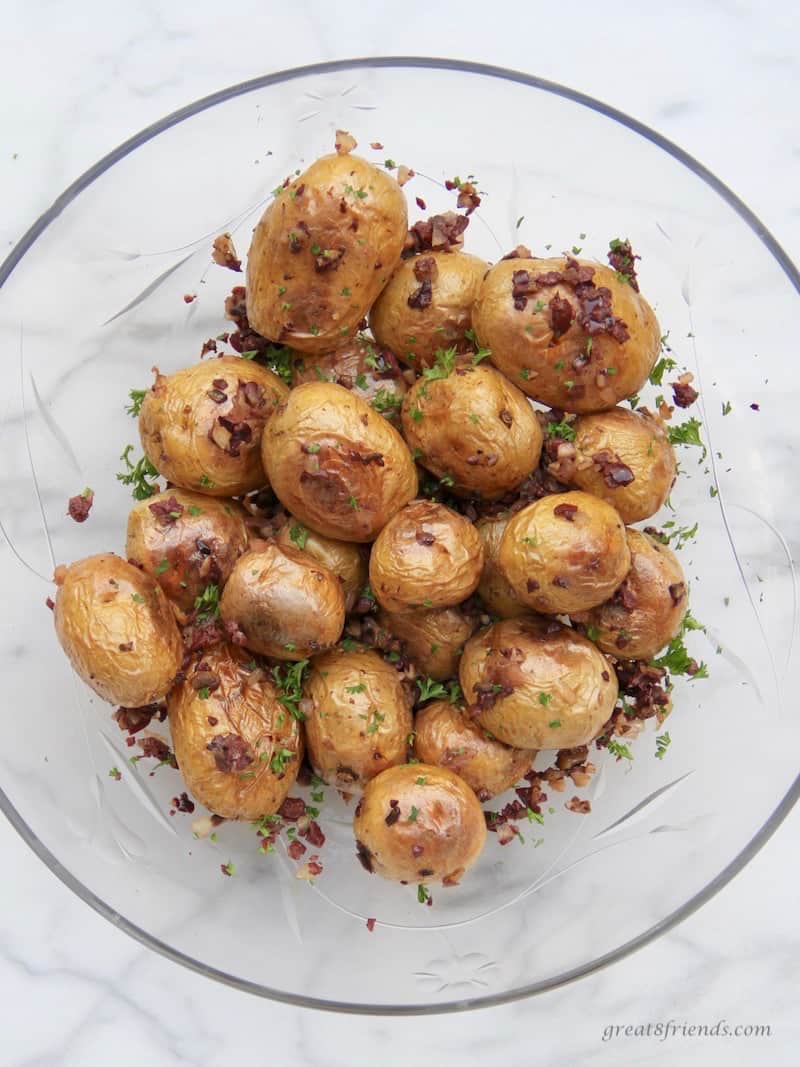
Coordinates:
647 610
284 603
237 746
566 552
557 335
427 556
438 830
427 306
201 426
118 630
493 589
344 559
322 252
474 427
535 684
433 639
186 541
359 720
446 737
625 458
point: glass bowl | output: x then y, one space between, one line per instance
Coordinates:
92 298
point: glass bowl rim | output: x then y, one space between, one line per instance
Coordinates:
761 233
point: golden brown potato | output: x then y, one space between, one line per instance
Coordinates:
285 604
565 552
474 427
118 630
186 541
237 746
625 458
438 830
535 684
427 556
427 306
556 331
322 252
359 719
647 610
493 588
336 464
446 737
348 561
201 426
434 639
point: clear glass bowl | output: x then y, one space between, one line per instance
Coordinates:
92 298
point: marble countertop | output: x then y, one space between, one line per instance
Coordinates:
721 79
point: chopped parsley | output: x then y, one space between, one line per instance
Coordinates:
423 896
592 633
545 698
206 482
386 402
137 397
620 750
375 722
413 814
688 433
195 510
289 683
354 504
298 535
207 604
140 475
422 779
666 363
280 758
663 742
360 688
554 724
163 566
137 598
726 408
534 816
444 362
561 429
430 689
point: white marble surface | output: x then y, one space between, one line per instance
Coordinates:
721 79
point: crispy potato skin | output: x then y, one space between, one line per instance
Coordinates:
336 464
557 689
446 737
360 717
557 564
407 573
524 347
415 334
474 426
118 630
346 560
183 437
244 705
295 293
656 614
433 638
285 603
448 826
199 547
640 441
493 588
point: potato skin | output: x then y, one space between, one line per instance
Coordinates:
434 639
245 705
637 439
414 334
657 591
285 603
564 562
474 426
344 559
446 737
524 348
181 432
200 545
449 825
354 733
493 589
528 658
336 464
297 295
408 570
117 629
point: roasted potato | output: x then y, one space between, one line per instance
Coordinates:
434 639
446 737
348 561
647 610
186 541
493 589
237 746
625 458
118 630
419 823
336 464
569 333
474 427
427 306
565 552
427 556
535 684
284 603
358 717
322 252
201 426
